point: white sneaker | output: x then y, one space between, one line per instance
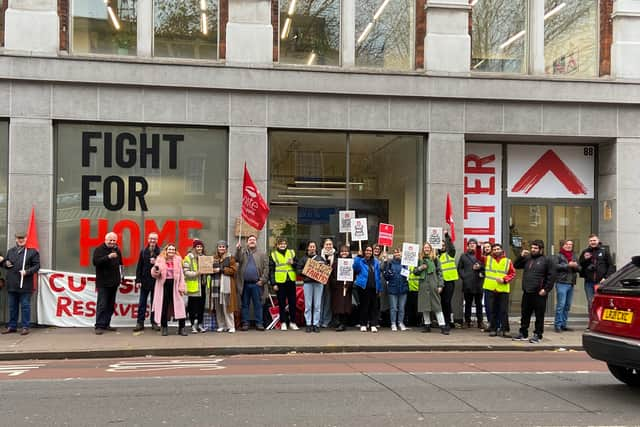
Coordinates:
194 329
293 326
201 329
374 329
402 327
232 330
220 330
394 328
283 326
363 329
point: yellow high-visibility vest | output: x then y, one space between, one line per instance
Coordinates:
193 284
283 268
449 270
496 269
413 279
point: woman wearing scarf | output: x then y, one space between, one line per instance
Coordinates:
328 255
224 297
169 289
566 271
369 285
341 302
431 284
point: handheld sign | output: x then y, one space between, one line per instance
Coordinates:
410 254
345 270
359 230
385 234
317 271
434 237
345 220
205 264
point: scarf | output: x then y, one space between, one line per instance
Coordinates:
431 266
328 256
567 254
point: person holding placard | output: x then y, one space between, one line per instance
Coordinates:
328 254
283 280
449 275
341 285
431 284
397 288
197 285
312 290
369 285
225 301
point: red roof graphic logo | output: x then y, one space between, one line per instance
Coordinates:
549 162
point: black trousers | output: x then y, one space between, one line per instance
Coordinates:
105 305
411 309
195 305
533 303
469 300
287 295
368 306
445 299
499 309
167 305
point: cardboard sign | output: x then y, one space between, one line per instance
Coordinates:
345 269
345 220
434 237
385 234
359 230
317 271
247 230
205 264
410 253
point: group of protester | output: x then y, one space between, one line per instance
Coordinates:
244 280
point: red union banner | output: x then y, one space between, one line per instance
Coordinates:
385 234
254 208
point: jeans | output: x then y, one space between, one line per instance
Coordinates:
325 309
396 307
142 304
312 301
105 305
252 293
564 296
22 301
589 290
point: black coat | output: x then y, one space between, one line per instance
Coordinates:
471 279
16 256
537 273
107 269
143 269
599 266
562 272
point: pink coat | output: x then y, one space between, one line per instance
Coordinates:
178 286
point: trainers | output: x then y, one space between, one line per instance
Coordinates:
557 329
220 330
283 326
202 329
519 337
139 327
402 327
194 329
363 329
232 330
534 339
293 326
260 327
394 328
374 329
244 327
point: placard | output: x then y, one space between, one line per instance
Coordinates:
345 270
359 230
345 220
410 253
434 237
205 264
247 230
385 234
317 271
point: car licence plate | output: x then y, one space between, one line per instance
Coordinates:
617 315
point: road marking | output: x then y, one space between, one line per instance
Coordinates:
15 370
166 365
503 372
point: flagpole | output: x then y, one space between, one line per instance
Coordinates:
24 262
240 230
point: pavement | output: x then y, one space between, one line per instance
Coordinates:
72 343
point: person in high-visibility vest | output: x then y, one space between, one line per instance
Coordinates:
449 275
411 307
282 262
196 287
498 274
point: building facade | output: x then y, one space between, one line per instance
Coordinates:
136 116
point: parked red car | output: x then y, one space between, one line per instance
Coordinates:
614 324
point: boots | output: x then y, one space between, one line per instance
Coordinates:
165 331
444 330
426 328
182 331
139 327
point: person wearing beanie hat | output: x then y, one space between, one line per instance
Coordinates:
470 268
224 293
197 285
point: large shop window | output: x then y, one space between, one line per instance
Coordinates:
314 175
571 37
4 173
104 26
309 32
385 34
134 180
185 29
499 37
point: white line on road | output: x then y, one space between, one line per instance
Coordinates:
165 365
15 370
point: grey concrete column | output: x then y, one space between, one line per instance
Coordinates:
250 145
249 32
32 26
625 51
145 28
31 180
447 45
536 36
348 29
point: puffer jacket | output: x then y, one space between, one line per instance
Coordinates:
396 283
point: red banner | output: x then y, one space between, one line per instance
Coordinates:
448 216
254 207
385 234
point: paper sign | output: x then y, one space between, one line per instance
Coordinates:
345 270
385 234
434 237
359 229
205 264
404 272
345 220
317 271
410 254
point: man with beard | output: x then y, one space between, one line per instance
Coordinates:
596 265
469 269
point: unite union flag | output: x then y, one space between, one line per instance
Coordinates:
254 208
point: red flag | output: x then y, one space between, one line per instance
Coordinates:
448 217
32 232
254 208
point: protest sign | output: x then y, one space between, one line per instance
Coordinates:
385 234
317 271
434 237
345 269
410 254
205 264
359 230
345 220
